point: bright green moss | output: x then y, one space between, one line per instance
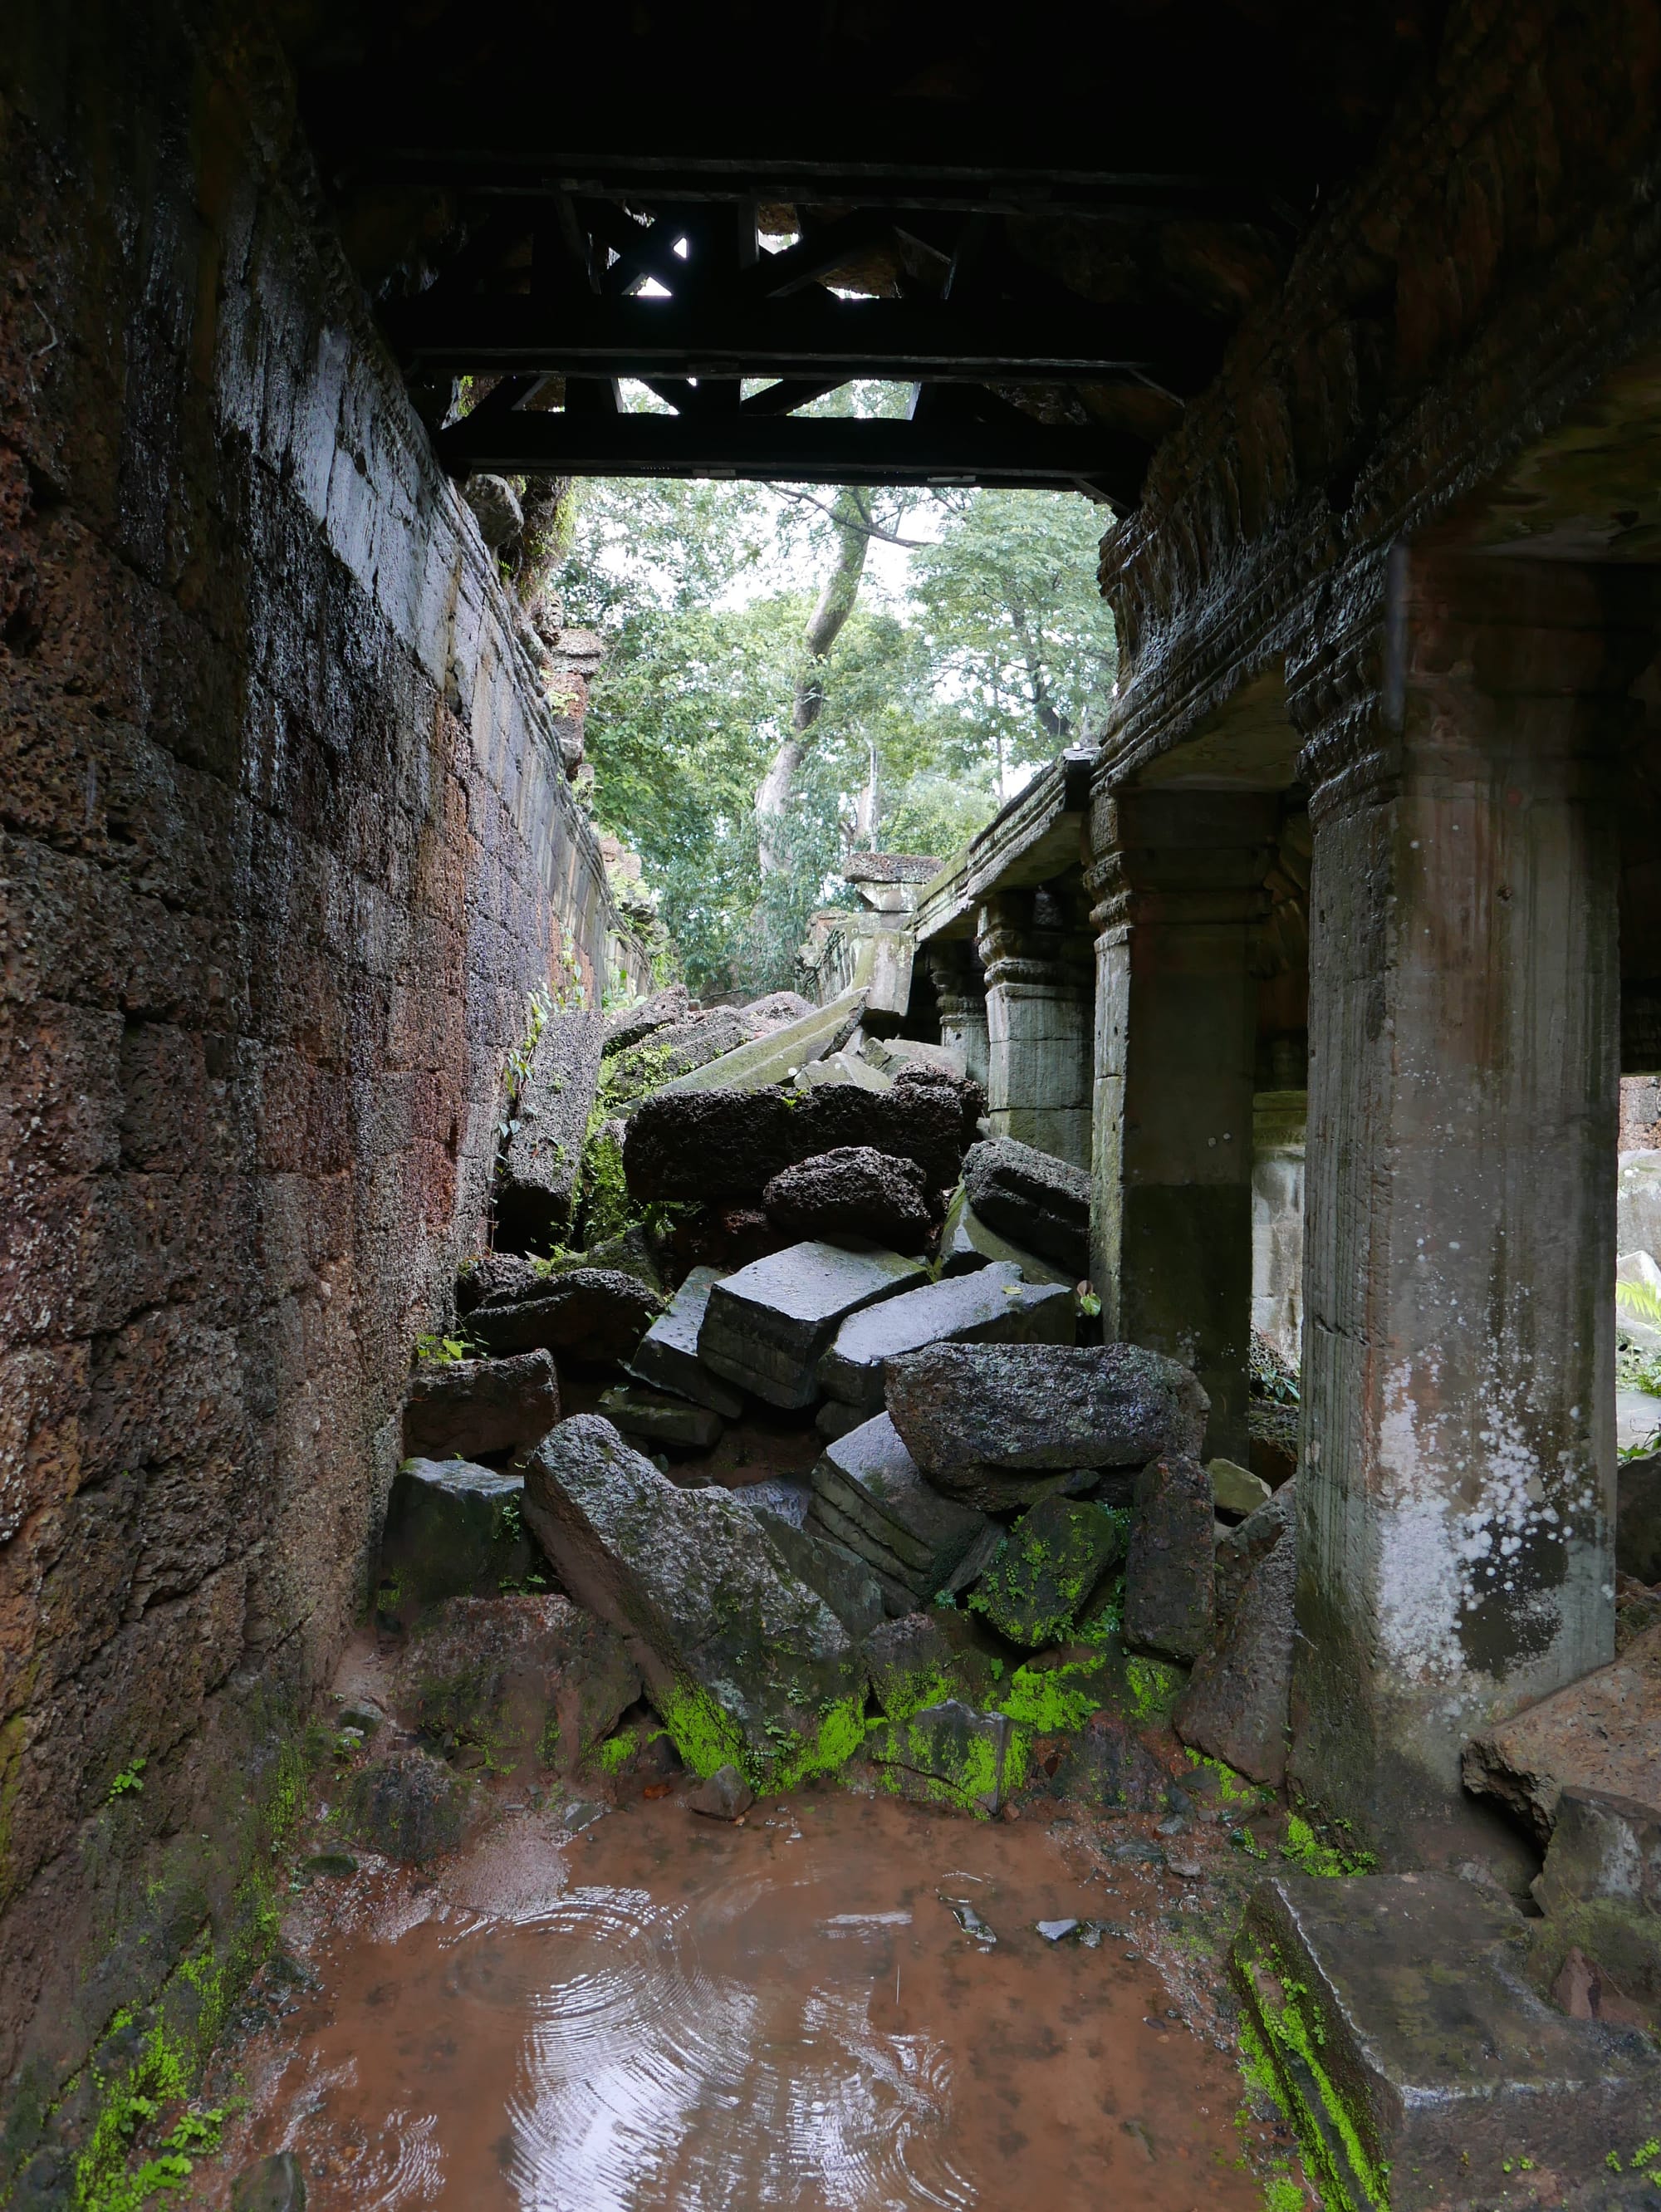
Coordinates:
1054 1700
1349 2180
614 1753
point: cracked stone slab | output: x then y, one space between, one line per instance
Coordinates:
667 1355
992 1306
767 1327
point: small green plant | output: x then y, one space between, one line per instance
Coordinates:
129 1782
1641 1300
444 1351
1315 1856
1088 1304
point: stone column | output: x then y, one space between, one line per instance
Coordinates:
960 991
1178 879
1278 1118
1459 1446
1036 955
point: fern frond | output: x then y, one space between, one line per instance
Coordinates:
1641 1300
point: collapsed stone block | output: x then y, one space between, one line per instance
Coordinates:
720 1144
777 1010
982 1420
841 1578
671 1050
870 1494
661 1418
1044 1574
1602 1846
667 1355
479 1405
1039 1202
452 1529
1170 1570
1236 1489
777 1051
1237 1702
525 1676
1602 1733
1104 1763
747 1666
497 1278
410 1806
724 1795
538 1196
767 1327
993 1306
966 1243
932 1658
637 1023
1417 2070
594 1315
948 1755
856 1192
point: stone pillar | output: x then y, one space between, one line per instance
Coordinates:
1036 956
960 991
1277 1157
1458 1442
1178 879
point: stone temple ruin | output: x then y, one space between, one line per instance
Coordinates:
1169 1245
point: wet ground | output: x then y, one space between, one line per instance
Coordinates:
653 2010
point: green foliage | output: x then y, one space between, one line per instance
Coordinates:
1318 1856
128 1780
444 1350
1641 1300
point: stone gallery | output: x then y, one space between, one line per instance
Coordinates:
1029 1571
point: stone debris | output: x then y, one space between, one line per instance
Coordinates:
767 1327
1237 1702
1236 1489
977 1418
277 2183
410 1806
458 1407
637 1023
1441 2068
671 1050
592 1315
667 1355
1602 1733
993 1306
1170 1570
661 1417
842 1578
1602 1847
497 1278
843 1066
1045 1573
522 1676
854 1191
1104 1763
723 1795
536 1197
451 1526
1638 1519
714 1144
892 1055
946 1754
1041 1202
979 1931
835 1420
746 1665
966 1243
870 1495
777 1010
779 1051
932 1658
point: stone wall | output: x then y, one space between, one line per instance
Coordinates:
285 843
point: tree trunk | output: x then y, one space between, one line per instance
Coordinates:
835 603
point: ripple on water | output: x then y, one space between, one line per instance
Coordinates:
650 2078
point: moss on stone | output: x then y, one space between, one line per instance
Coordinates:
1328 2133
1054 1700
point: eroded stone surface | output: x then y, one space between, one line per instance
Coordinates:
1637 1518
592 1313
932 1658
947 1755
479 1405
451 1527
855 1191
662 1417
723 1796
1602 1846
667 1354
636 1023
543 1164
992 1306
746 1664
1236 1703
966 1243
842 1578
410 1806
713 1144
1038 1201
1041 1579
1170 1570
767 1327
869 1493
526 1676
1602 1733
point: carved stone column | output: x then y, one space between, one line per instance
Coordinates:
1178 880
960 991
1456 1497
1036 955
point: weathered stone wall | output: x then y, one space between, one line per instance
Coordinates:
285 841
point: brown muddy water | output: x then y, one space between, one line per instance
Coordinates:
656 2010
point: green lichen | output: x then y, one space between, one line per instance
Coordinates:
1152 1687
1349 2179
1229 1787
614 1753
1054 1700
1316 1855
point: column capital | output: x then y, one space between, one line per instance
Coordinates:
1034 941
1191 860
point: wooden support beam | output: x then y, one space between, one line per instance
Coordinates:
809 449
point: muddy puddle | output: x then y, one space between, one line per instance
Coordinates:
659 2011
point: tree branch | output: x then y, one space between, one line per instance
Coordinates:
869 528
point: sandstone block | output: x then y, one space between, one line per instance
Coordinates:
1047 1570
871 1494
966 1411
932 1658
1237 1702
854 1191
1637 1518
947 1755
1603 1847
1170 1570
479 1405
966 1243
638 1021
525 1676
767 1327
410 1806
1602 1733
1039 1201
539 1192
1236 1489
841 1578
667 1355
661 1418
778 1051
714 1144
725 1795
777 1011
452 1529
594 1315
993 1306
672 1050
1105 1764
747 1666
